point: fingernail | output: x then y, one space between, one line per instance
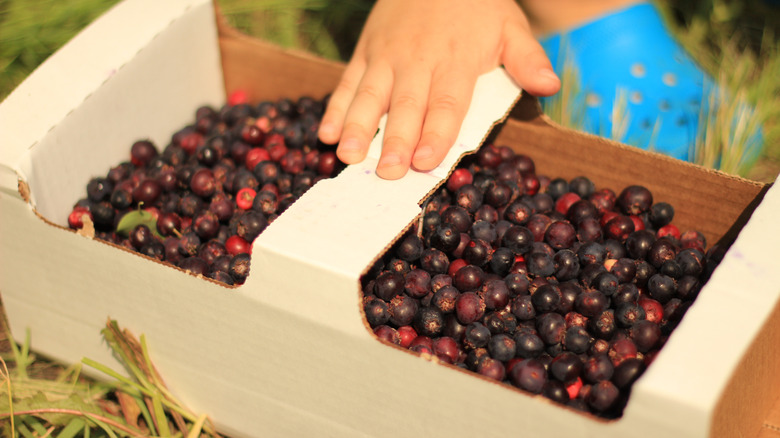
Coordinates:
350 145
423 153
546 72
389 160
328 129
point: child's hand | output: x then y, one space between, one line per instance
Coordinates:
419 60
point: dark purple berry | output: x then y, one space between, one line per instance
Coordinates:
194 265
389 284
603 325
434 261
597 368
603 396
239 267
476 335
444 298
458 217
661 288
529 375
376 312
661 213
518 212
410 248
627 372
577 340
566 367
582 186
634 199
469 307
468 278
429 321
142 152
645 334
477 252
551 327
501 347
402 310
250 224
546 298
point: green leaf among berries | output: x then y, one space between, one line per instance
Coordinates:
135 218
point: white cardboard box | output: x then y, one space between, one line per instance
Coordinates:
289 352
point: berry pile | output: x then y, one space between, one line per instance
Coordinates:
200 203
553 286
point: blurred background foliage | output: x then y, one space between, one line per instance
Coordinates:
736 41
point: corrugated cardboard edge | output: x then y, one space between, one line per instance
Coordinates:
751 392
738 196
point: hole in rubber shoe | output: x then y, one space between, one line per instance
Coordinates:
664 105
669 79
636 97
638 70
592 100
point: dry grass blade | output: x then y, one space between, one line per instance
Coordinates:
150 395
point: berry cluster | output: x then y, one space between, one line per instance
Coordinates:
200 203
553 286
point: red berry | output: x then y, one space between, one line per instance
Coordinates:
255 156
252 134
565 201
75 220
668 230
236 244
265 124
639 224
530 183
408 334
574 388
245 197
154 211
455 266
654 311
693 239
277 150
238 97
607 216
458 179
191 141
326 165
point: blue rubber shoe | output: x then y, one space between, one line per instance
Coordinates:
628 58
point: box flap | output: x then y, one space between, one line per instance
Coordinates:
349 220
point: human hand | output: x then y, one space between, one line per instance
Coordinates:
418 61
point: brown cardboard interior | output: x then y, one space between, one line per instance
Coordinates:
712 202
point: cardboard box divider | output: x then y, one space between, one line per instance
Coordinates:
288 353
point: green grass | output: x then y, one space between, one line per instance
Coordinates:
30 31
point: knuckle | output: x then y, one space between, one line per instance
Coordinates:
407 101
353 128
395 142
370 92
444 102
